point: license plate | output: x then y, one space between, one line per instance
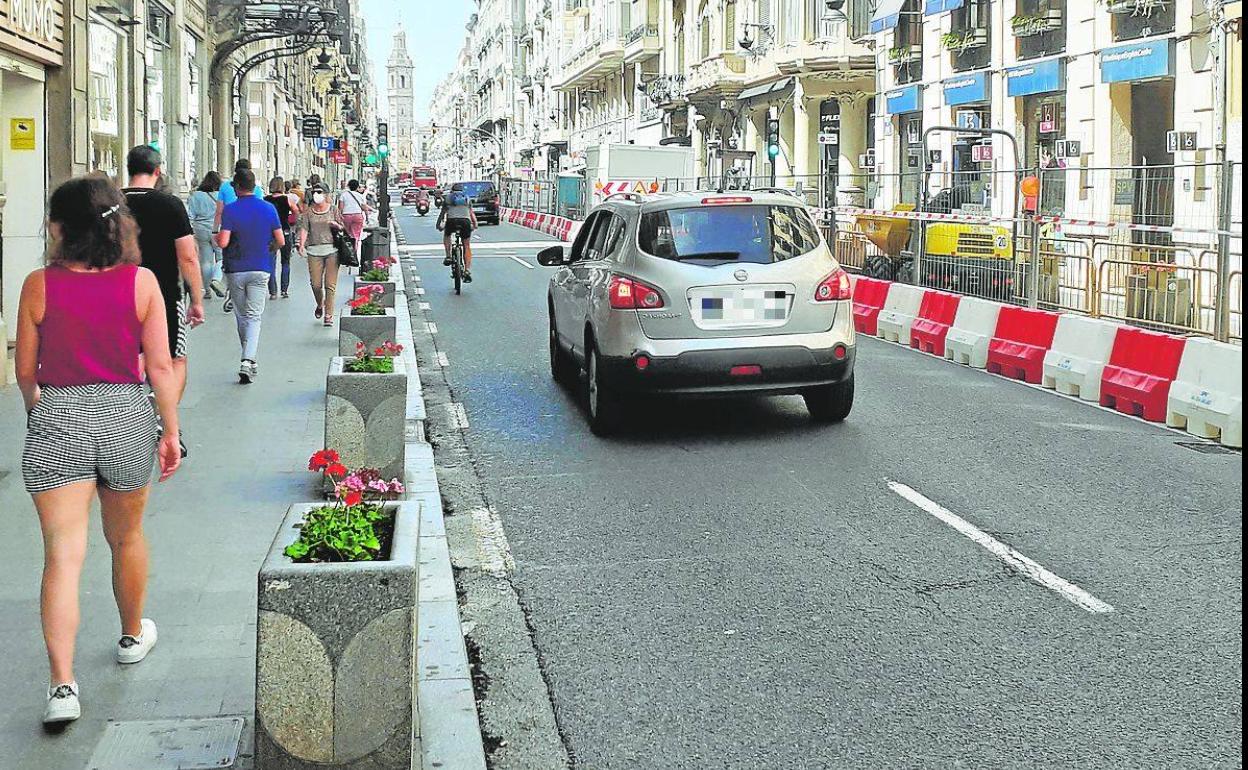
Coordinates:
741 306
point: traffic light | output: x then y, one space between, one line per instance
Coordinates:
773 138
383 140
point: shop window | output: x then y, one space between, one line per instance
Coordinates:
1134 19
106 98
1039 28
1044 121
970 39
906 55
910 157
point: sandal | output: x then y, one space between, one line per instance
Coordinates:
329 320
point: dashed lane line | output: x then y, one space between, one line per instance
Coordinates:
459 415
425 306
431 327
1015 560
442 360
521 261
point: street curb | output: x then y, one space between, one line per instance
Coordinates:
447 728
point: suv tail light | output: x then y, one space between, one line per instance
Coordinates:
631 294
835 287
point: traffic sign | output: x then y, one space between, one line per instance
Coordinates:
326 143
310 126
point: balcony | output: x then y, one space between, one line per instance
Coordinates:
831 50
526 84
602 54
666 92
641 43
720 77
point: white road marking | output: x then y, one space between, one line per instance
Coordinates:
431 327
459 415
492 543
425 306
419 290
521 261
1005 553
484 245
442 359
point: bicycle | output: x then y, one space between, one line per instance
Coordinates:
457 262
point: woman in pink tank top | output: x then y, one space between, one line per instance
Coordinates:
91 331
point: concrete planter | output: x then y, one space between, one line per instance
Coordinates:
366 417
372 330
388 289
335 655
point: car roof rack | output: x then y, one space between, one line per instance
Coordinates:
630 196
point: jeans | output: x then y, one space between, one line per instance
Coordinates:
323 272
209 260
248 292
285 252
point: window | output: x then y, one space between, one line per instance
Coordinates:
970 41
1141 18
583 237
715 235
730 25
907 51
1039 26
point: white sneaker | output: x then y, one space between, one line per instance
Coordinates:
63 705
246 372
133 650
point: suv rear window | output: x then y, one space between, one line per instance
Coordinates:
474 189
713 235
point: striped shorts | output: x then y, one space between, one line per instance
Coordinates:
104 433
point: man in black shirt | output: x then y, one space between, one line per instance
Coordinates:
167 245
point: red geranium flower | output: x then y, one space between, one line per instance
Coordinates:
336 469
320 460
351 499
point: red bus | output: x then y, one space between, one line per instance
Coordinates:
424 176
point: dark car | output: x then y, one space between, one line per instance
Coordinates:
412 195
485 202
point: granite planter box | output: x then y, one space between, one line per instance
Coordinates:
335 654
388 289
366 417
373 330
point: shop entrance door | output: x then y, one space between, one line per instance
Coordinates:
1152 117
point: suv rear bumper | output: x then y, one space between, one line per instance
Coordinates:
785 369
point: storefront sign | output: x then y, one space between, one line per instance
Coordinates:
1039 78
933 7
34 28
966 89
1138 62
325 143
22 134
903 100
310 126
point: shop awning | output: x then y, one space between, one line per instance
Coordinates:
933 7
774 89
886 15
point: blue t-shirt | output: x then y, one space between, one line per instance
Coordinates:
251 221
227 195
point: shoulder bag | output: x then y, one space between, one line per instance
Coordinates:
346 249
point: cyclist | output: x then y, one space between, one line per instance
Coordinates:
456 217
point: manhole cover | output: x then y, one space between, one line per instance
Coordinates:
168 744
1208 449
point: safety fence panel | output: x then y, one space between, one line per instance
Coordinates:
1235 305
1154 287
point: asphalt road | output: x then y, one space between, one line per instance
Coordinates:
729 585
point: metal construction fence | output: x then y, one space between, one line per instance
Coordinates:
1158 247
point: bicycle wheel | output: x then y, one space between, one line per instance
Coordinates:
457 267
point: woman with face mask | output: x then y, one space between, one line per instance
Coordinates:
317 224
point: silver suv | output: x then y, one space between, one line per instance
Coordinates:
701 293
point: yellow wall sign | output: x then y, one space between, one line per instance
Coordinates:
22 133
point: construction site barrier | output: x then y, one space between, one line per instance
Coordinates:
972 330
869 297
1076 362
1141 368
1019 343
936 316
900 309
562 228
1207 395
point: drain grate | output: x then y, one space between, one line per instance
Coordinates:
168 744
1206 448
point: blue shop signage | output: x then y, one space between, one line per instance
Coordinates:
933 7
903 100
966 89
1038 78
1138 62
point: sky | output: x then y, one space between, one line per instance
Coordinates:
435 33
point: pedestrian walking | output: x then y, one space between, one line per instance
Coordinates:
316 244
250 233
229 190
168 249
90 325
202 209
354 210
281 201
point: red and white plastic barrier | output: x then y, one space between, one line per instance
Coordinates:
1207 395
1140 370
900 309
560 227
1018 345
869 297
1076 362
936 317
972 330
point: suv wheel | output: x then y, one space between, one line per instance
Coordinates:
831 403
561 366
605 409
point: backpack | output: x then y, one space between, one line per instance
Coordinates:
456 198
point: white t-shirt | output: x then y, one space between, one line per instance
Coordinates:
352 202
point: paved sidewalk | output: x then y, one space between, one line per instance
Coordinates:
208 528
